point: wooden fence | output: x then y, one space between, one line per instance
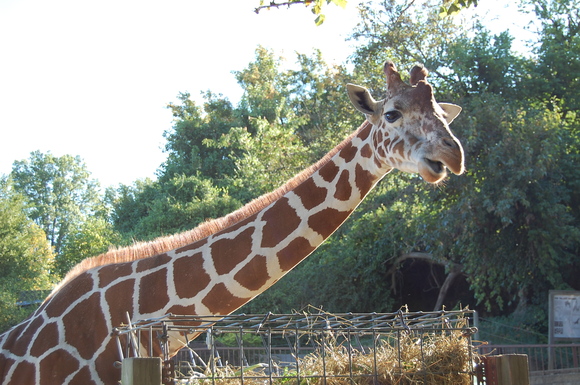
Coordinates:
542 357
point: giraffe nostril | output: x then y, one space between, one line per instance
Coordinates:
449 142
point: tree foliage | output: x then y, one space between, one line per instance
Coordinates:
25 255
59 191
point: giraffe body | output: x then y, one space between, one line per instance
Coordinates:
218 268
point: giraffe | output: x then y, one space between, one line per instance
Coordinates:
222 264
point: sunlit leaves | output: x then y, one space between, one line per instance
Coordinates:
26 257
59 191
317 6
453 7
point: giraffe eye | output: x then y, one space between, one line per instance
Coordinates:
392 116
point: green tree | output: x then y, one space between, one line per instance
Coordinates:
271 156
404 31
320 104
187 151
59 191
265 89
556 72
25 255
84 240
482 63
149 209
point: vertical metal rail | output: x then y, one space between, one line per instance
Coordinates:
242 358
375 366
269 354
323 355
349 347
297 351
213 354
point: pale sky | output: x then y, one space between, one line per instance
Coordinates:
92 78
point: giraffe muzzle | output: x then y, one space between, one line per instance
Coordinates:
435 170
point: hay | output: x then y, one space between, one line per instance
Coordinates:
415 357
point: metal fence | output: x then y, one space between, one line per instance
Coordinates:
540 357
350 348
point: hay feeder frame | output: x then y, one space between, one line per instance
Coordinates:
403 348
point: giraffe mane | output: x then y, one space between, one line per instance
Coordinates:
163 244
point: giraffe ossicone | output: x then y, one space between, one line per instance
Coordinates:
221 265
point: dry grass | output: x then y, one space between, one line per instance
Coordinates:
443 357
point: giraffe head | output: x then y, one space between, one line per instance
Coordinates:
410 129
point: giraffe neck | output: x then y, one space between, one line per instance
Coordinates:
219 274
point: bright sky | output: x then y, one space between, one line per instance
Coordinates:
92 78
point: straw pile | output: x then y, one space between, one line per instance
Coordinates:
414 358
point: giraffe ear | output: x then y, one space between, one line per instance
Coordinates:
451 111
361 98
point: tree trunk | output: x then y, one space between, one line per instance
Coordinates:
455 270
453 273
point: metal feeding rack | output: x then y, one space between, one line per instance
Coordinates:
310 348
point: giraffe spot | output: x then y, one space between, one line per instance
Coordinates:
189 276
281 220
184 310
67 294
108 374
83 377
47 338
295 252
365 132
153 292
57 366
366 151
343 187
412 139
152 262
310 194
254 274
120 300
192 246
109 273
86 327
381 152
364 180
18 340
387 142
5 365
221 301
326 221
400 148
348 152
228 253
24 373
379 137
329 171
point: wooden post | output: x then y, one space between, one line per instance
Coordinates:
507 369
141 371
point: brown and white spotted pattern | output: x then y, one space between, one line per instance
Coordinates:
68 339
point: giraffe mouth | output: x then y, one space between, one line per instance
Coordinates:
436 166
432 171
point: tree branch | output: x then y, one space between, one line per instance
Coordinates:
273 4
